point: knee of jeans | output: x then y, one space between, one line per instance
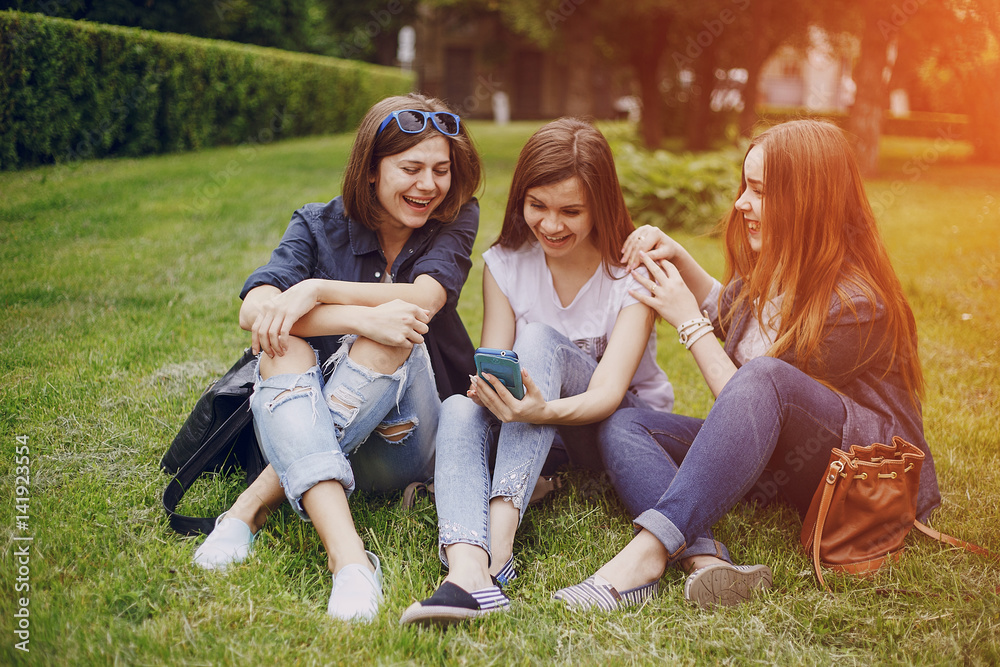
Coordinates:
397 432
760 373
534 337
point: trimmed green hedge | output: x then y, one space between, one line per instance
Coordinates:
915 124
76 90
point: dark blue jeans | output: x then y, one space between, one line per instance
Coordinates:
768 436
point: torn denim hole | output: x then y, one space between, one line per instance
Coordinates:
290 394
342 353
513 486
396 433
345 403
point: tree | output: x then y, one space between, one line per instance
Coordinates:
963 68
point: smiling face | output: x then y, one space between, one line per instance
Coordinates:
751 202
411 184
558 216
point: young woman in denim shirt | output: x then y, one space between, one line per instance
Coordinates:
820 352
355 320
556 291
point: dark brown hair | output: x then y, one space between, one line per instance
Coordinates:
360 200
559 150
818 234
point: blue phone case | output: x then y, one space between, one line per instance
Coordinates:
503 365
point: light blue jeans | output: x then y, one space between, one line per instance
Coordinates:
309 441
463 488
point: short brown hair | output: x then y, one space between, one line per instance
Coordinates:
562 149
360 200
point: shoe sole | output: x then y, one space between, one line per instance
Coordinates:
724 586
438 615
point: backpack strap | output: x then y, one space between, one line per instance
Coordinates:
223 437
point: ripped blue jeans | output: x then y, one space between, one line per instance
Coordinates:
313 430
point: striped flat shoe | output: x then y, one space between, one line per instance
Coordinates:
597 592
506 574
451 604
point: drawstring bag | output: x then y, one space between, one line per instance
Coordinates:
865 507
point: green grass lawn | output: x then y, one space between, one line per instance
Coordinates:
119 283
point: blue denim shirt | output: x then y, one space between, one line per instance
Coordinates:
322 242
877 403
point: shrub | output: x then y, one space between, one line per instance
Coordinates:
690 191
73 89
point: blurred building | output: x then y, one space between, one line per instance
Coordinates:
468 59
817 78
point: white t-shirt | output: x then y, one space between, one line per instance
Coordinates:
524 278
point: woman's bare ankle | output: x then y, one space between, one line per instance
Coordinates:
467 567
642 561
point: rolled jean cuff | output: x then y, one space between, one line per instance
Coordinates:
664 530
310 470
704 546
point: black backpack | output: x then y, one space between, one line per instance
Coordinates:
218 435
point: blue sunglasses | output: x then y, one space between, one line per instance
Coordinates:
413 121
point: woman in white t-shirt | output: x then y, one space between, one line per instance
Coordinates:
556 292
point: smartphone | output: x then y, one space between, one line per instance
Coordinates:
503 365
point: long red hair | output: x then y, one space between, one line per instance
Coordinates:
818 237
559 150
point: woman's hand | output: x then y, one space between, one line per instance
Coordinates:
493 395
651 240
668 294
396 324
277 315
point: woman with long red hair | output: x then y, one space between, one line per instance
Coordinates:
820 352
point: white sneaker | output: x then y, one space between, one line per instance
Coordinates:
357 592
229 542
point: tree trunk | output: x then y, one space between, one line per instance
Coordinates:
748 116
872 96
580 62
701 102
647 71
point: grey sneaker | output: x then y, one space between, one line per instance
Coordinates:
726 585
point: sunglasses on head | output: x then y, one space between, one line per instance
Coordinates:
413 121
